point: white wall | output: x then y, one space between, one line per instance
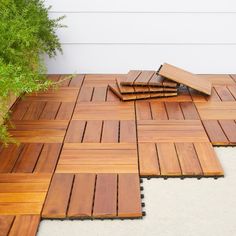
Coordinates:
110 36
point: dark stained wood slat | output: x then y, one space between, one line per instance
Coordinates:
65 111
129 197
229 128
189 110
26 225
77 81
224 93
208 159
174 111
99 94
127 131
8 157
188 160
75 131
110 132
85 94
148 160
50 111
58 196
19 110
28 158
105 202
81 202
168 159
143 110
48 158
5 224
215 132
34 111
158 110
93 131
186 78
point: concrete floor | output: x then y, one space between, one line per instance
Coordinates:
174 207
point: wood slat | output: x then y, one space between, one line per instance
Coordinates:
58 196
158 80
110 132
48 158
105 202
75 131
131 77
50 111
34 111
188 159
148 160
127 131
19 110
174 111
224 93
229 128
129 200
25 178
208 159
28 158
81 202
8 157
158 111
232 89
216 110
5 224
77 81
86 94
171 131
65 111
144 77
215 132
99 94
214 96
93 131
143 110
20 208
186 78
25 225
168 159
189 111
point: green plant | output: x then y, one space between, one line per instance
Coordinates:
26 34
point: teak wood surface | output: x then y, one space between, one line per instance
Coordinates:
83 137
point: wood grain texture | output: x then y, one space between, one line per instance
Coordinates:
171 131
25 225
148 160
208 159
93 131
215 132
105 202
110 132
193 81
129 200
188 159
81 202
189 111
229 128
58 196
174 111
168 159
224 93
127 131
158 111
75 131
5 224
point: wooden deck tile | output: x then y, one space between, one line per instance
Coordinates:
5 224
23 194
58 196
217 110
98 158
104 110
171 131
185 78
219 79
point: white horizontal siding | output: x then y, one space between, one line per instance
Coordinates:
148 28
121 58
108 36
142 5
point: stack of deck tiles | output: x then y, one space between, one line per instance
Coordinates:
157 84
